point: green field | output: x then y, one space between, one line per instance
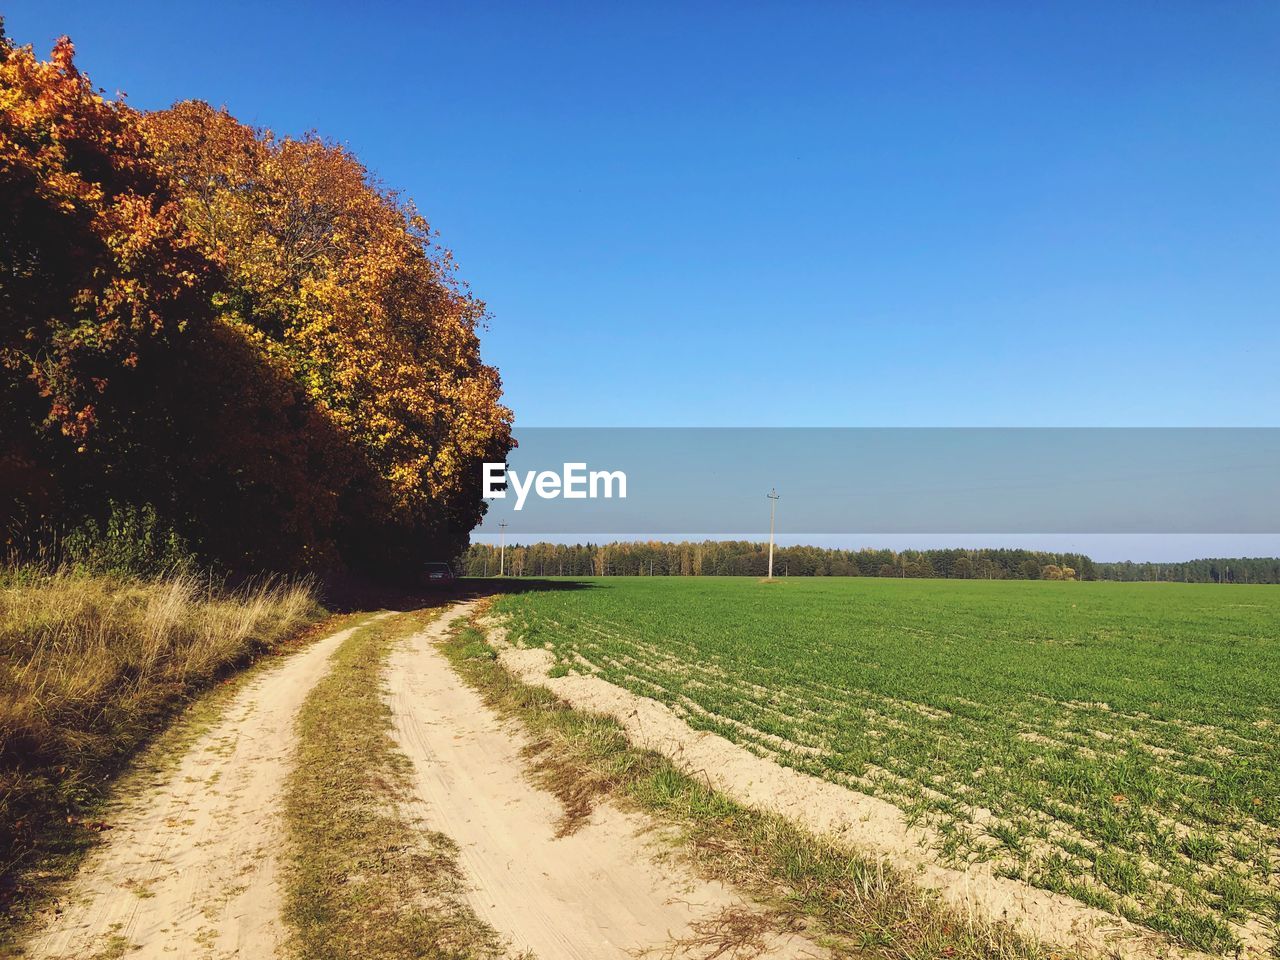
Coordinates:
1116 742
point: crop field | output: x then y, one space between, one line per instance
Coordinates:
1119 743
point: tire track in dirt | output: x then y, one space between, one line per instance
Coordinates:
191 868
602 892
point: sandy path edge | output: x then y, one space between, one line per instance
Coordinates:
190 868
596 894
865 824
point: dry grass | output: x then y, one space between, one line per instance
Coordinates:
733 933
91 666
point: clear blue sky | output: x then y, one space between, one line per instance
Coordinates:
786 214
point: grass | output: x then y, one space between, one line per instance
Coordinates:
855 906
93 667
1116 742
361 879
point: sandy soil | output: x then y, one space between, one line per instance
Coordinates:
864 823
190 868
602 892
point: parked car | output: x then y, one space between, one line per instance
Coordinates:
438 575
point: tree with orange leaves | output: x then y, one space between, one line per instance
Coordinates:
78 179
97 270
241 329
341 282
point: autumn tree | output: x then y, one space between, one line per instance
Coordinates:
98 274
1053 571
241 330
340 282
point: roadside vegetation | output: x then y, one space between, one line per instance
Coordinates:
1116 743
92 666
362 880
856 907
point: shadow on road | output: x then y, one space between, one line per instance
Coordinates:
347 596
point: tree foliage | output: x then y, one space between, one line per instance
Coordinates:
748 558
96 268
1207 570
242 330
751 558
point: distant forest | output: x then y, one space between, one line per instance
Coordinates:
744 558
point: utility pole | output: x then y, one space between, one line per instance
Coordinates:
502 547
773 506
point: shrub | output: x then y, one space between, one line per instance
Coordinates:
134 543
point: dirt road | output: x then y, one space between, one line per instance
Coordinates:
602 892
190 868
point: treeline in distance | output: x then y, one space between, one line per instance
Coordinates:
742 558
